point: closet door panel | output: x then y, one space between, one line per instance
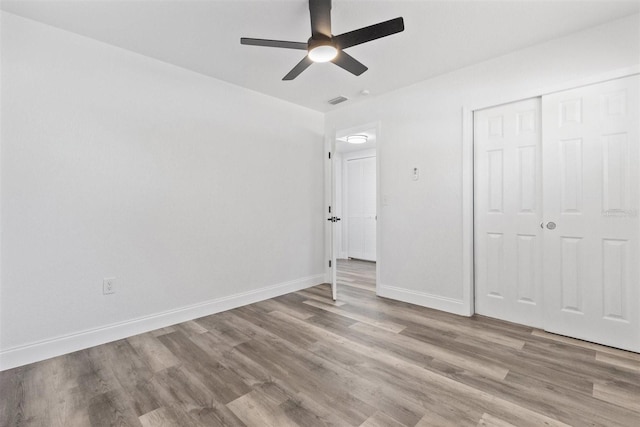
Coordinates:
508 212
591 195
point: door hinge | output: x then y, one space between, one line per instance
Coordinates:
329 263
329 154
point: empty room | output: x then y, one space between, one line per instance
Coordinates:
319 213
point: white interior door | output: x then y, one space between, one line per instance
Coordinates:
508 212
361 208
591 189
334 228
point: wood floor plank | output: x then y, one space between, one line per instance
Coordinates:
435 420
163 331
537 360
585 367
469 363
317 296
125 364
301 359
274 305
12 396
220 381
408 318
156 355
92 372
256 408
144 398
70 406
217 415
617 360
161 417
393 327
353 284
111 409
224 333
375 383
177 384
588 345
398 377
192 328
534 395
488 420
618 395
584 408
380 419
306 411
275 326
36 408
311 375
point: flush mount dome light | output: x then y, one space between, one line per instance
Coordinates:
322 51
357 139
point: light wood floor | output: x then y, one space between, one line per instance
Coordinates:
302 359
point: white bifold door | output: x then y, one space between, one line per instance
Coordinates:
361 208
508 212
591 255
576 273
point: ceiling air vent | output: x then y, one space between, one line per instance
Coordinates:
337 100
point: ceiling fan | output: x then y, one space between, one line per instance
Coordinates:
324 46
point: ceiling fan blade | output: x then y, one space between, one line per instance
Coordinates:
369 33
349 63
302 65
320 11
273 43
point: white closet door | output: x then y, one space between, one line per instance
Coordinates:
361 208
591 180
508 212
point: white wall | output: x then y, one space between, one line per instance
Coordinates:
195 194
420 222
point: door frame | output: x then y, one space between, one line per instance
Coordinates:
468 150
329 147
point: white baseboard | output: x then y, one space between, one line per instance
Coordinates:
34 352
424 299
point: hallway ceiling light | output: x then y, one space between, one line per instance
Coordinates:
357 139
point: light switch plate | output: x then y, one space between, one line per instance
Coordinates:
109 285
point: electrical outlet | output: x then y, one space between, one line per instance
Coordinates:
109 285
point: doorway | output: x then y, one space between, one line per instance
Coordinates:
557 195
355 200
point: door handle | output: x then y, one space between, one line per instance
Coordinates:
333 219
551 225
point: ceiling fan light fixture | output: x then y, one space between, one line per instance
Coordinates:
357 139
323 53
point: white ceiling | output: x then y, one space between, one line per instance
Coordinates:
204 36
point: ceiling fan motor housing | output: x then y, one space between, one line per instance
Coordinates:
320 41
